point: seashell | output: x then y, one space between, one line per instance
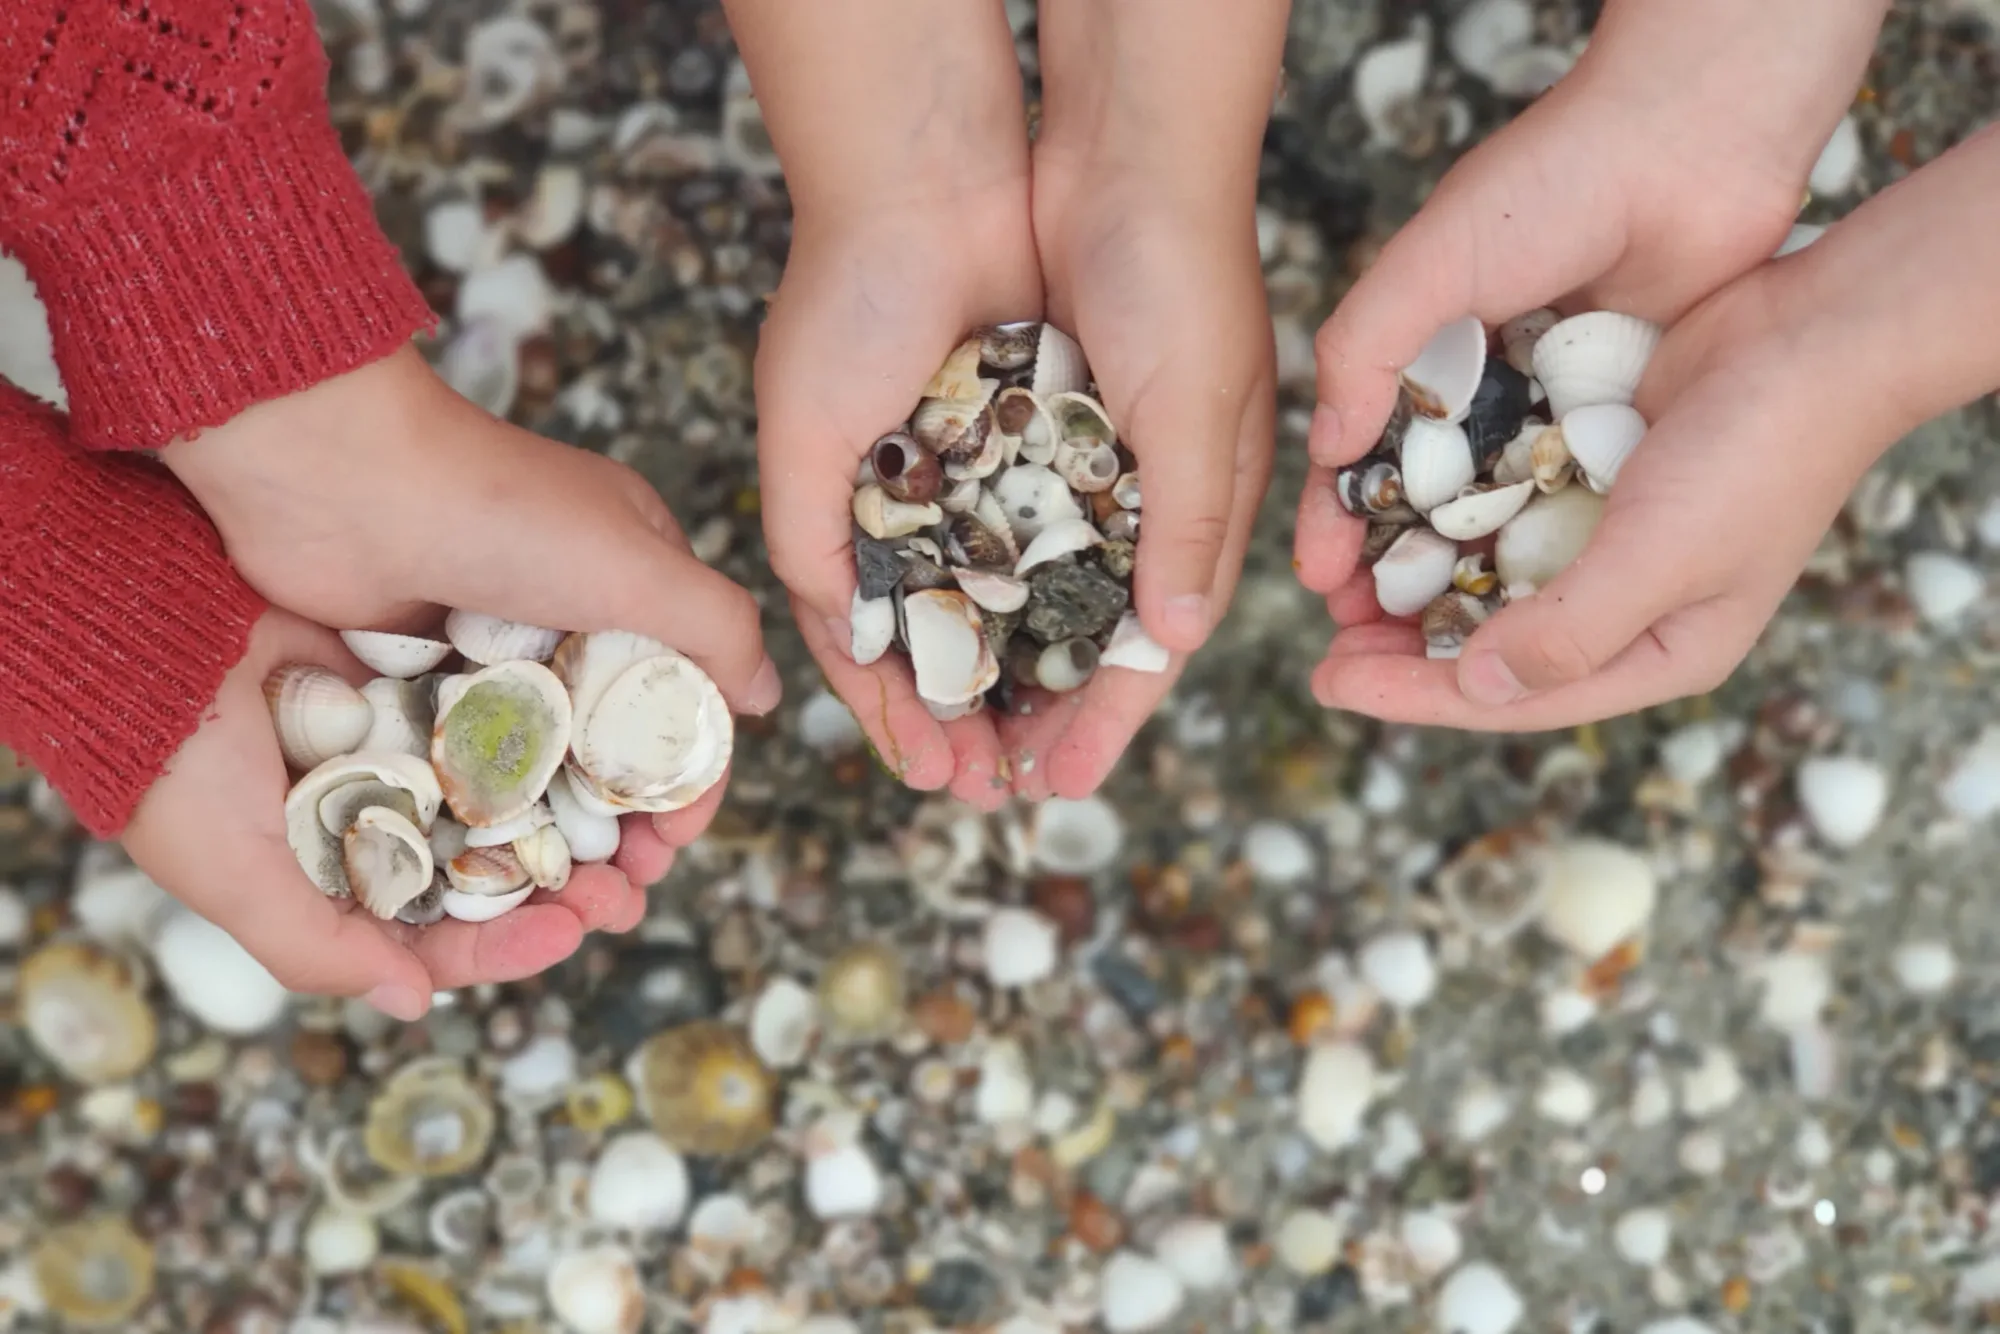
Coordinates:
784 1020
316 714
905 470
951 713
882 518
1600 437
1530 71
499 740
447 839
1413 571
386 859
491 640
214 978
957 430
1125 491
958 378
1487 31
962 496
400 656
403 715
596 1290
85 1009
1079 836
554 208
1065 666
993 590
1437 463
704 1090
1540 542
1471 575
1060 367
1843 796
1121 527
1449 620
871 624
483 907
1370 488
511 62
591 837
1446 374
1593 894
1132 648
427 908
638 1184
1798 238
928 548
1065 537
1032 497
1480 511
1499 406
1080 419
1026 427
461 1223
653 732
1549 459
1837 169
545 856
339 808
428 1120
1942 586
1519 335
977 462
527 822
1516 461
948 653
317 847
1010 347
486 872
1595 358
1387 78
96 1273
863 992
1088 466
971 543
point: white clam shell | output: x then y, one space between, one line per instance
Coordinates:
1487 32
591 837
527 822
1446 374
883 518
1387 77
1844 798
949 654
316 714
492 640
1599 357
387 861
545 855
486 872
499 740
1600 438
1540 542
1519 335
1065 666
483 907
1033 497
1132 648
1060 367
1798 238
653 733
871 623
400 656
1088 466
404 713
447 839
1062 538
1436 464
1471 517
319 851
993 590
1415 569
783 1022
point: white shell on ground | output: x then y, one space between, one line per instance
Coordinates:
1064 537
1844 797
638 1184
1599 357
400 656
1415 569
1076 837
1594 895
1530 71
596 1290
591 837
1137 1293
527 822
1033 497
1482 513
1540 542
1387 77
1335 1090
316 714
387 860
1020 947
1446 374
318 848
783 1022
1600 437
1436 464
871 626
1942 586
1132 648
489 640
653 732
501 738
949 652
214 978
1487 31
1478 1299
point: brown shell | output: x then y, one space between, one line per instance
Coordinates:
705 1091
862 992
94 1274
86 1008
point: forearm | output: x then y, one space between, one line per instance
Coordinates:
874 103
1177 90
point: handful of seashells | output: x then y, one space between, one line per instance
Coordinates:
997 529
1519 447
437 791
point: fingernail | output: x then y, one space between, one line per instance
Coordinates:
766 689
397 1002
1486 680
1323 439
1187 617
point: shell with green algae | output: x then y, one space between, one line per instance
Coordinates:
94 1274
429 1120
85 1008
704 1090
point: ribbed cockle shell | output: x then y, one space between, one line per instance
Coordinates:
498 741
316 714
312 801
400 656
489 639
653 732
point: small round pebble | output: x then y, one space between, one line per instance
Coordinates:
960 1292
1478 1299
1021 947
1942 587
1276 853
1924 967
214 978
1308 1241
1703 1153
827 725
1137 1293
1712 1084
843 1183
1643 1235
1199 1253
1334 1092
1565 1097
1399 966
1971 791
1327 1296
1481 1109
1432 1240
1844 798
340 1243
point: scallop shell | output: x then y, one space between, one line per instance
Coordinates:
1542 540
1599 357
591 837
1033 497
1060 366
1025 426
403 714
96 1273
905 470
400 656
386 859
993 590
85 1009
1065 666
653 732
1519 335
1600 438
1415 569
316 714
319 848
428 1120
491 640
863 992
1437 463
545 856
1446 374
871 625
1063 538
1478 513
948 653
499 740
704 1090
883 518
1132 648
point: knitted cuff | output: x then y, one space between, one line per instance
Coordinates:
190 290
119 614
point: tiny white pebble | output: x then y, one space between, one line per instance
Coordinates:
1335 1088
1702 1153
1652 1100
1383 790
1565 1010
1481 1109
1022 947
843 1183
827 725
1924 967
1308 1241
1566 1098
340 1243
1942 587
1276 853
1971 791
1398 965
1006 1091
1797 986
1812 1146
1432 1240
1694 754
1712 1085
537 1074
1137 1293
1843 796
1478 1299
1199 1253
1643 1235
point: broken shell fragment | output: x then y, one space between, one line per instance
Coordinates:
1449 620
1063 538
428 1120
1549 460
653 732
316 714
545 856
993 590
499 741
1471 575
1599 357
905 470
1415 569
958 378
1133 649
1600 437
400 656
962 496
1519 335
1066 665
978 460
948 652
1033 497
882 517
1437 463
1480 511
318 847
387 861
1060 367
404 712
1025 426
1121 527
1541 541
1446 374
1010 347
490 640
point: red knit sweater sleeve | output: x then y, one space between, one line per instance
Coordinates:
119 613
171 179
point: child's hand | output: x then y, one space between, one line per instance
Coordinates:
868 309
211 831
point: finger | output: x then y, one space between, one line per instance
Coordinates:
975 747
1030 735
1185 429
1328 539
528 940
1392 637
595 895
643 855
1353 603
682 827
883 699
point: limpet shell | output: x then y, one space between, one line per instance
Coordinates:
499 741
93 1274
400 656
316 714
653 732
704 1090
490 640
85 1009
428 1120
